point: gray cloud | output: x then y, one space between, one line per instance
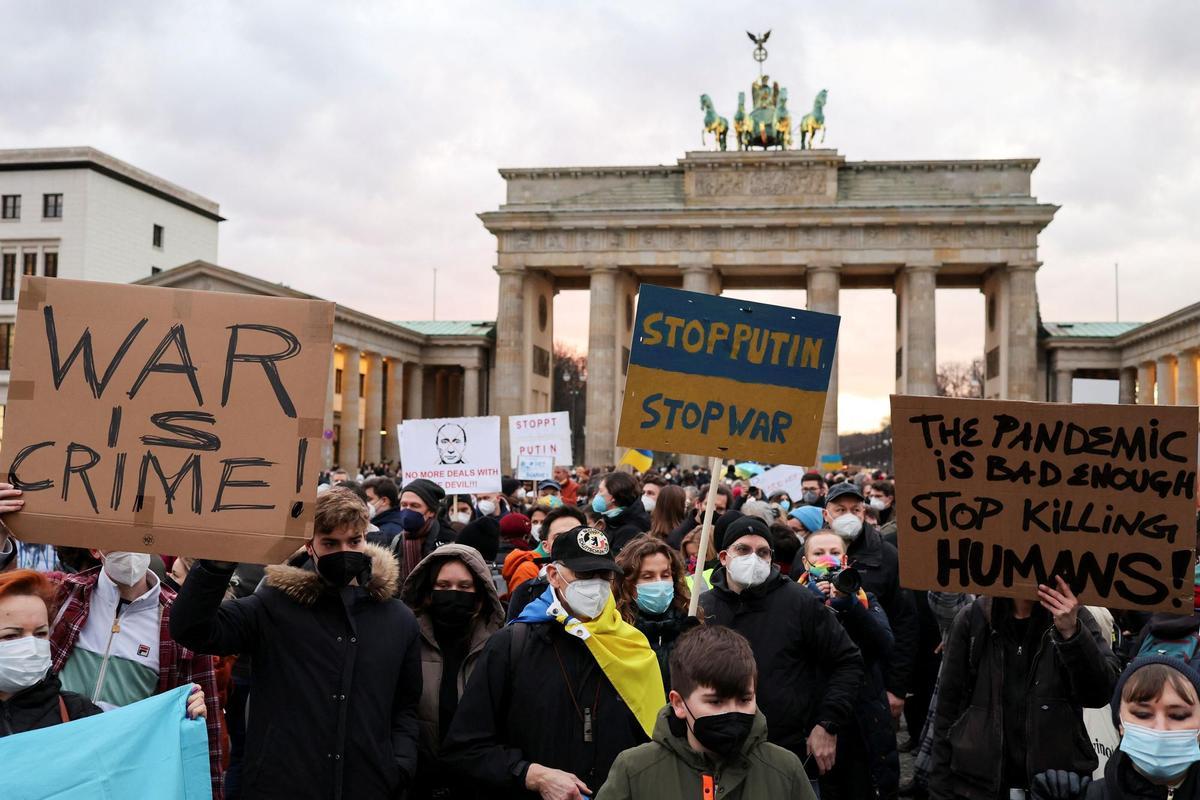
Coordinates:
352 144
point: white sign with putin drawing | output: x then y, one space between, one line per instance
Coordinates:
459 454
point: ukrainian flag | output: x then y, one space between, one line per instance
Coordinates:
641 460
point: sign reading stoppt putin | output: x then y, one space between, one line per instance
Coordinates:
166 420
996 497
726 378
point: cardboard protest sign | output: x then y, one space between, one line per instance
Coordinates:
165 420
722 377
459 454
783 478
541 435
535 468
997 496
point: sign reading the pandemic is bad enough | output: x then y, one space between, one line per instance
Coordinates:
459 454
730 378
996 497
164 420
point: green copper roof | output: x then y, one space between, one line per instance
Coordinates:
1089 330
456 327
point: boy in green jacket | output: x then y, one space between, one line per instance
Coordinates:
711 741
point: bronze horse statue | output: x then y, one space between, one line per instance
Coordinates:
813 121
713 122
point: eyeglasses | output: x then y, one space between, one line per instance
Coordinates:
744 550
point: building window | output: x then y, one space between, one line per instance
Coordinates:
30 264
52 206
337 381
6 343
9 280
50 265
155 270
12 206
158 236
362 385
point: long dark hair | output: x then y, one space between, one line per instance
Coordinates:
669 511
630 560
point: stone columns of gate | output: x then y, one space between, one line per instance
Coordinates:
823 285
1185 379
1022 330
373 412
348 452
327 454
470 391
1063 383
393 412
1164 374
1128 384
416 391
602 361
699 276
1145 386
916 318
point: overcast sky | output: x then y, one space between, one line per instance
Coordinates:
351 144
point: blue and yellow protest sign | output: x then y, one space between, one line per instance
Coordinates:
727 378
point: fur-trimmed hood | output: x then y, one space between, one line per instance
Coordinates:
304 586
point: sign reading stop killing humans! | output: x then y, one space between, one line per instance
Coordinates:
996 497
728 378
165 420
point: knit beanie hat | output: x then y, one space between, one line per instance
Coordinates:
811 517
744 526
430 493
514 525
484 535
1174 662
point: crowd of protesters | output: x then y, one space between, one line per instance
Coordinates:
537 642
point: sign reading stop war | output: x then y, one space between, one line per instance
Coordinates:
164 420
997 496
728 378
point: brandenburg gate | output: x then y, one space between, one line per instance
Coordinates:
782 219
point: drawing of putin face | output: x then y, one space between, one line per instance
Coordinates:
451 444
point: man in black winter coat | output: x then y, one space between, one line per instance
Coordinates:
879 565
383 496
337 663
1016 676
809 670
539 716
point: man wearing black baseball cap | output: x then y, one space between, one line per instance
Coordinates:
879 565
809 669
564 689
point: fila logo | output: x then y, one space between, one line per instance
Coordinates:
144 650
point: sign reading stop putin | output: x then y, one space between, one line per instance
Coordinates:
726 378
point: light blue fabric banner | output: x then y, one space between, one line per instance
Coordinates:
147 749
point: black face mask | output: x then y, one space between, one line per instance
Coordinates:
452 608
723 734
339 568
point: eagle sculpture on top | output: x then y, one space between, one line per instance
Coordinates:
759 40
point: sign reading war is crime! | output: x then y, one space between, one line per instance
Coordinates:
166 420
727 378
996 497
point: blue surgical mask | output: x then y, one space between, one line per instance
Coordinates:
785 504
655 597
412 521
600 506
1160 755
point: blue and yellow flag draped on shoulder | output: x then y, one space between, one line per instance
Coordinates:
727 378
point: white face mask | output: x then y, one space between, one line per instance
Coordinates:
371 511
847 526
462 518
649 502
521 493
878 503
748 570
23 662
486 507
587 598
535 530
126 569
